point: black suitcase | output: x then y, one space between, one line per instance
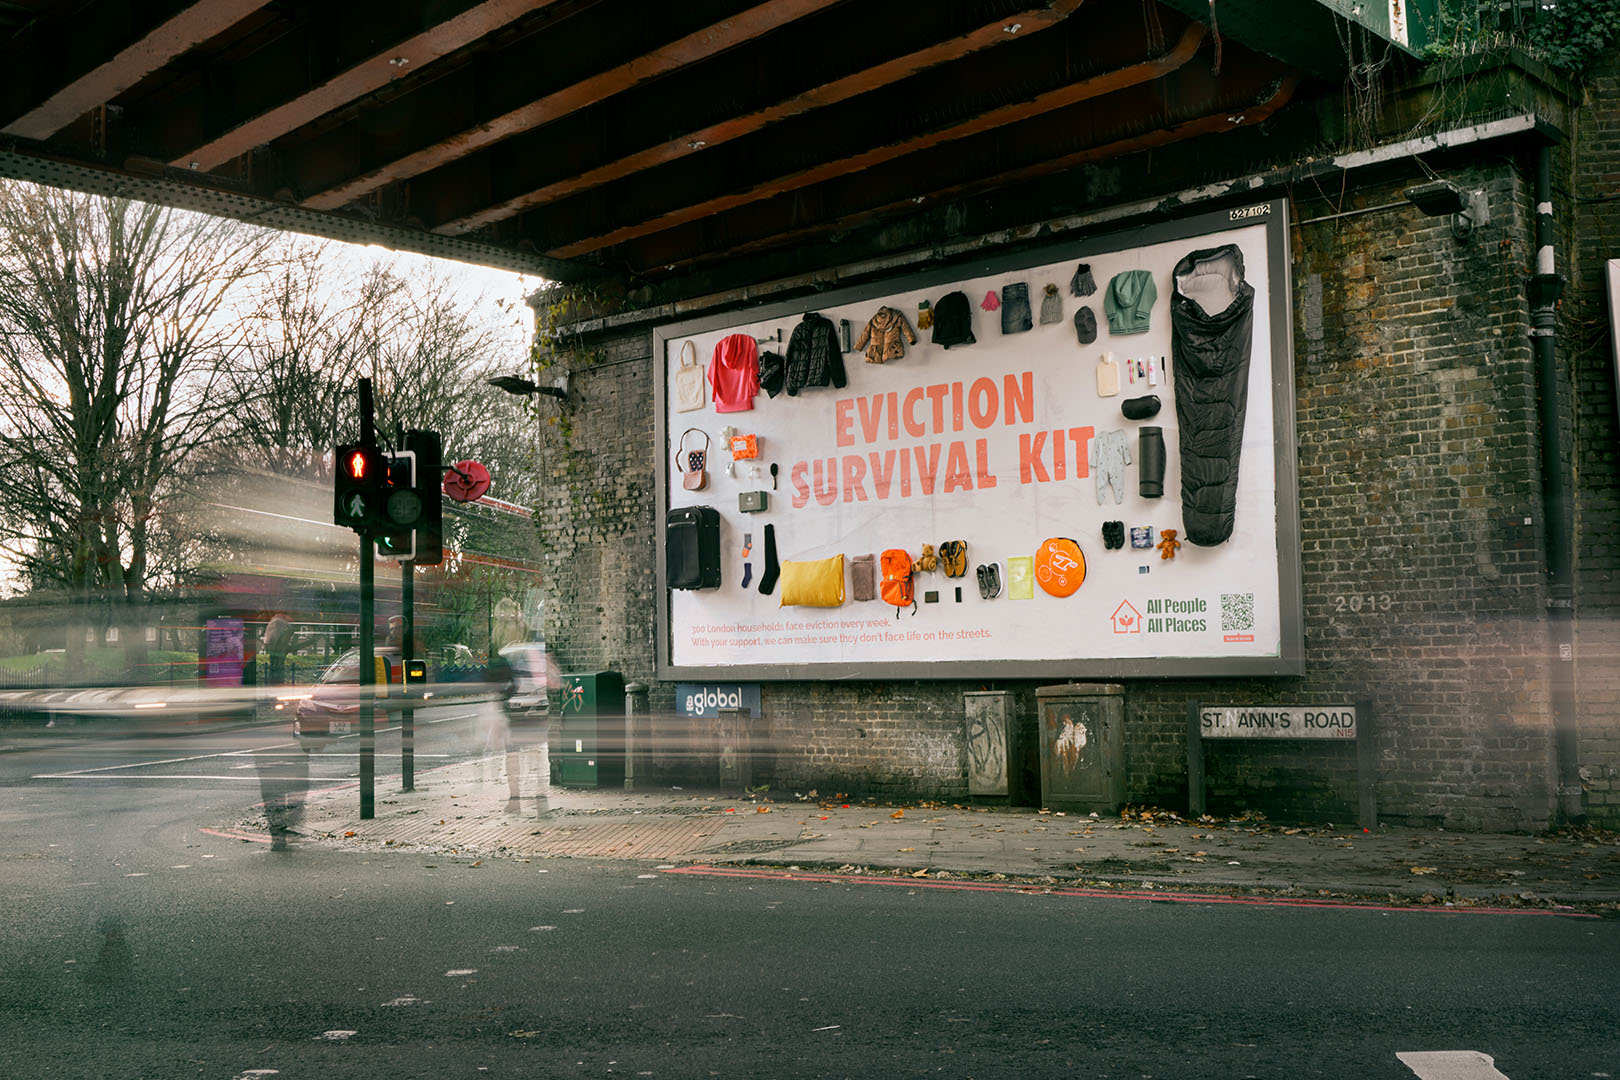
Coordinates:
692 548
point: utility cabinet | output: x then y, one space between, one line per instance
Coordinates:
1082 733
587 747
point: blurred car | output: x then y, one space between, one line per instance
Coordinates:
531 681
332 706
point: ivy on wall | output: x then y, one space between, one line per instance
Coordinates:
1568 34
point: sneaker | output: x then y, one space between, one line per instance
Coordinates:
996 574
984 581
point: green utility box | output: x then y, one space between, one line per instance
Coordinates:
587 742
1082 746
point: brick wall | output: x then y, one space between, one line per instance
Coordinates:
1586 346
1420 504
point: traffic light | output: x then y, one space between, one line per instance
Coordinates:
429 487
361 486
401 509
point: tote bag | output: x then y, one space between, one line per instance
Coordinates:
689 395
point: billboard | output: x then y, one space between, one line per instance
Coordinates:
1053 447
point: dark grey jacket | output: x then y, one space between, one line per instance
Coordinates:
813 355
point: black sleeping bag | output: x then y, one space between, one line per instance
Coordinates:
1211 332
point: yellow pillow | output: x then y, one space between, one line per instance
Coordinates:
819 583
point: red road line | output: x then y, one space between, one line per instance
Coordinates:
1109 894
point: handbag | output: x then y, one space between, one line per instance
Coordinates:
693 463
689 396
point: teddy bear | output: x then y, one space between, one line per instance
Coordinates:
1168 544
928 561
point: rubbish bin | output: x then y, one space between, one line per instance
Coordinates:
587 744
1082 746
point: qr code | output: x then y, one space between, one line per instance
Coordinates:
1237 611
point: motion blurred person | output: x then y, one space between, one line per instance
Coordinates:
495 722
284 785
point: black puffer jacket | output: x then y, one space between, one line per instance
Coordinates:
1211 335
813 355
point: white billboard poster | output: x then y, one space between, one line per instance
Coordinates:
1045 428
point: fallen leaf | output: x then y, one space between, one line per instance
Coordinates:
351 832
1424 869
763 809
898 814
907 849
921 873
1290 832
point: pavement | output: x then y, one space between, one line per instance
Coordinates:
463 810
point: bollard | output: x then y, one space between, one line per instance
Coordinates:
637 733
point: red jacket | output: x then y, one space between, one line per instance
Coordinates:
734 373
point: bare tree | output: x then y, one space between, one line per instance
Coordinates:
322 321
113 339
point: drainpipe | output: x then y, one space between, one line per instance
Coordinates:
1543 289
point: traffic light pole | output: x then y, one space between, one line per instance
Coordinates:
407 646
368 636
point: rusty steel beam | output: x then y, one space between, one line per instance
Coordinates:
1224 120
1074 93
398 58
725 34
115 61
997 32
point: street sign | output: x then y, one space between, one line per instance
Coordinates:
1277 721
466 481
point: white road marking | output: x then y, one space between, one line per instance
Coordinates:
406 1000
336 1035
254 1074
456 972
1451 1065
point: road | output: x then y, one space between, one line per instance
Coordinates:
142 945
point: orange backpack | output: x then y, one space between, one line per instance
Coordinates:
897 585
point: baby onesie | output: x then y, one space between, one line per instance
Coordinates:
1110 453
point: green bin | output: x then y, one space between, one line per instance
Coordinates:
587 740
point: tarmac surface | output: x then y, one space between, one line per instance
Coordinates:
464 809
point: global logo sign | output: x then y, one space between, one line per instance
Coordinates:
707 699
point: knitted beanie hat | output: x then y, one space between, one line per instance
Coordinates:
953 320
1051 305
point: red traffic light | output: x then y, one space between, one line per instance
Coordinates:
355 465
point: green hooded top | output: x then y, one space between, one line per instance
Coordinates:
1129 300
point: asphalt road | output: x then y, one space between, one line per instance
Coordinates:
140 945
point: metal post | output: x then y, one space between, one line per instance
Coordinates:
1195 760
368 643
368 679
407 648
